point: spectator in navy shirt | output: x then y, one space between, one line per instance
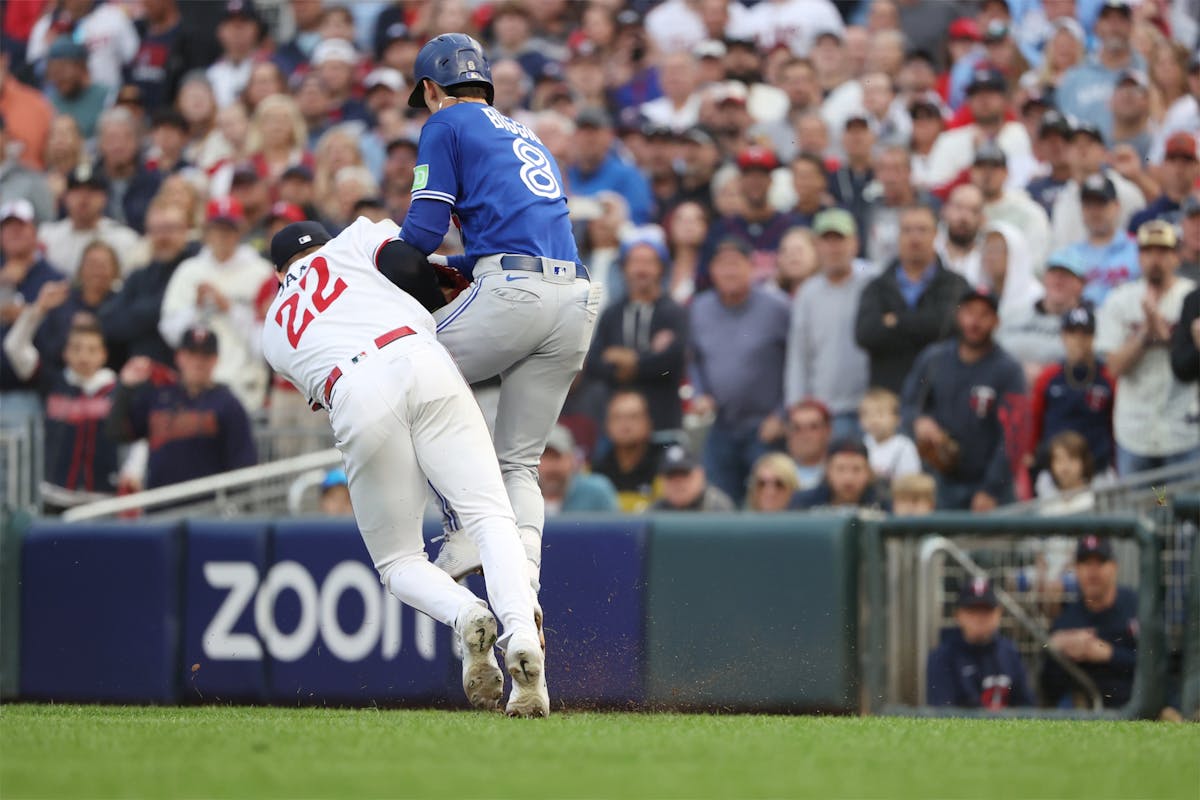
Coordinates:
1075 394
23 273
971 393
641 339
130 319
1052 149
973 665
1098 631
758 223
738 345
195 427
848 481
81 459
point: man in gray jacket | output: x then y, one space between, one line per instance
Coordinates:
823 360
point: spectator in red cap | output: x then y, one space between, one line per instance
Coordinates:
1179 173
758 224
809 430
217 287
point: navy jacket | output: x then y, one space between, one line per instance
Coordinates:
80 455
38 276
1117 625
130 319
660 367
964 675
1079 400
893 349
189 437
979 405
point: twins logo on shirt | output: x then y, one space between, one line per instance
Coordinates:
1097 398
996 691
983 400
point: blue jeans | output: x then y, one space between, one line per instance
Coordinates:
845 426
729 453
1129 462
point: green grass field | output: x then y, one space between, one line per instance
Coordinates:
98 751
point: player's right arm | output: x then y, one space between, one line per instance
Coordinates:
404 265
435 188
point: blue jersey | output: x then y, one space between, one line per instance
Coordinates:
497 177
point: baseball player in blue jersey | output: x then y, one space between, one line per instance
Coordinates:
529 311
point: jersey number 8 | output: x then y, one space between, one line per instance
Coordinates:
536 172
322 297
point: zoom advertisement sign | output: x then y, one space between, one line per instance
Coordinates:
312 624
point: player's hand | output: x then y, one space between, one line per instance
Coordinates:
890 320
11 310
982 501
1196 332
136 371
451 281
52 295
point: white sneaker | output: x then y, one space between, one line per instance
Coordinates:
458 555
482 679
526 664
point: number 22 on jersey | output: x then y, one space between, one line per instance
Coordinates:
319 297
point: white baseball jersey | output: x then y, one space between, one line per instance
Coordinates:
332 304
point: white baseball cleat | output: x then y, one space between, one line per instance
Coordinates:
458 555
482 679
526 664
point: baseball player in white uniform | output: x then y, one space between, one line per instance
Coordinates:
344 332
529 312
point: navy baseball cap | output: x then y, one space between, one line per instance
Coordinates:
1079 319
296 238
989 153
199 339
676 461
1092 545
850 447
1098 187
987 79
976 593
1082 128
981 293
1054 122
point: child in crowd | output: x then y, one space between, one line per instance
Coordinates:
81 459
892 455
973 665
335 494
914 495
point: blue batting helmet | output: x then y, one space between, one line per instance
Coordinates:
452 59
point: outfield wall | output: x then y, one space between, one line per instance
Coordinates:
721 611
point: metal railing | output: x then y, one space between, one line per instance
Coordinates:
261 489
21 454
1139 493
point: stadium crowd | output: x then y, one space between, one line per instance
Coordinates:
892 253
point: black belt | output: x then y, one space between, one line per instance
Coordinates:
534 264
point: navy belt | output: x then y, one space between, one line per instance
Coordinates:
534 264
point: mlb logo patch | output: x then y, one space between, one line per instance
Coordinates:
305 239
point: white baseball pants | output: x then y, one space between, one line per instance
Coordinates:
403 414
